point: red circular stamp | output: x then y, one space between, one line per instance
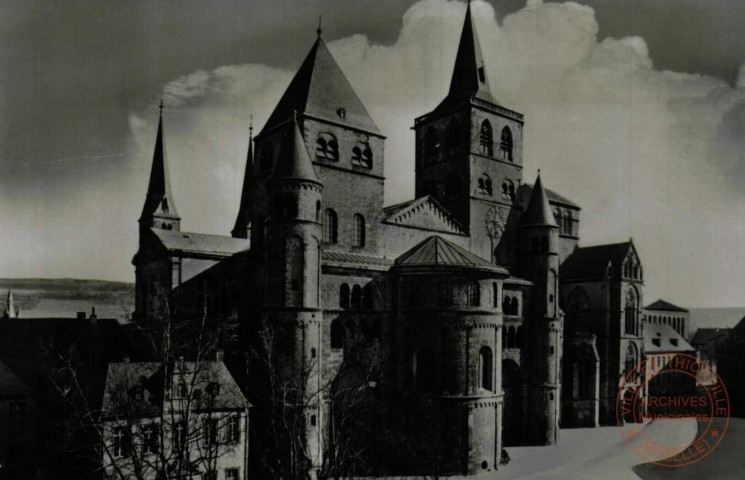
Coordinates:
679 388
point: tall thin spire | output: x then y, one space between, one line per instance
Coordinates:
10 307
243 220
294 160
538 211
159 199
319 30
470 78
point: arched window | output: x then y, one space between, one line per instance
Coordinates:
473 294
506 305
294 272
508 190
485 368
337 335
519 337
359 230
431 146
505 145
362 155
327 148
511 337
266 159
485 185
504 337
356 297
559 219
330 226
368 297
318 210
495 294
515 306
630 313
454 139
630 361
424 371
344 296
485 138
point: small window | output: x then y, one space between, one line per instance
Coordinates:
485 138
485 185
356 297
233 430
359 230
164 205
473 294
327 148
344 296
674 342
508 190
505 145
313 353
318 210
150 438
342 112
330 226
362 155
482 74
312 420
337 335
210 432
485 368
232 474
120 442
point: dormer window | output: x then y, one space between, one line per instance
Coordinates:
482 74
656 342
674 342
164 205
342 112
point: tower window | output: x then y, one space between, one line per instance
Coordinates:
473 294
356 297
344 296
431 146
362 155
368 297
630 311
485 138
485 368
294 271
330 226
327 147
359 230
318 210
482 74
485 185
164 205
267 157
508 190
505 145
337 335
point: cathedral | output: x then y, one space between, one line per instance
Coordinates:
492 325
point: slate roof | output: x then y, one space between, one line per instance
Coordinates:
538 212
669 340
355 259
320 89
294 160
592 262
664 306
705 335
525 191
438 252
124 378
201 243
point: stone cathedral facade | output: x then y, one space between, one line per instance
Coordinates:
491 325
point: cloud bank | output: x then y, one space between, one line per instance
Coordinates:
649 154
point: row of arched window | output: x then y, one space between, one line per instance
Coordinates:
632 269
677 323
565 221
327 148
454 142
447 290
337 333
357 297
331 228
424 370
510 305
632 326
512 337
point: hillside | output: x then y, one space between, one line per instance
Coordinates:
64 297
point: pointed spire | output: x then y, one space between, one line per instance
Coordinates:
294 160
470 78
538 211
10 307
320 30
159 200
240 230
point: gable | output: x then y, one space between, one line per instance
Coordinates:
423 213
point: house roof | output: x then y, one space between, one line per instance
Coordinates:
124 379
661 338
435 251
294 160
592 262
355 259
538 212
413 213
663 306
321 89
706 335
525 191
201 243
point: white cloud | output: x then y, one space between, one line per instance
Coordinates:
652 154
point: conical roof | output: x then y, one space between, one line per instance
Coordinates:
321 89
294 160
159 199
435 251
538 211
10 308
240 229
470 78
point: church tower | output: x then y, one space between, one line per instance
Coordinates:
469 152
10 307
159 210
538 236
289 274
242 227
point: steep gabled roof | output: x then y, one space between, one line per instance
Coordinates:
320 89
201 243
470 79
294 160
538 211
159 199
435 251
592 262
423 212
664 306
